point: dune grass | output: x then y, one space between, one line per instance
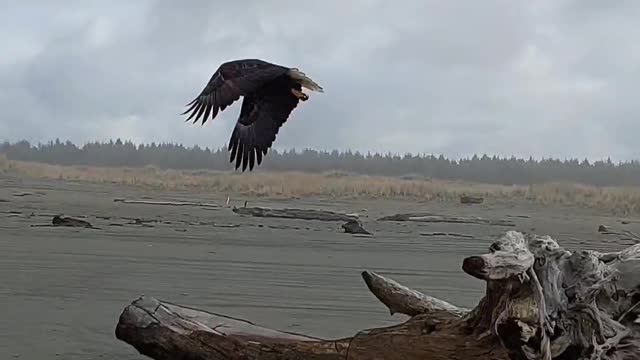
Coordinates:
619 200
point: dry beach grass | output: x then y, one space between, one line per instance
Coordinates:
619 200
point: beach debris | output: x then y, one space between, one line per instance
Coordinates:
435 218
167 203
468 199
622 234
290 213
447 234
354 227
141 222
70 222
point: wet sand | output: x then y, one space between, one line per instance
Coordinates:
62 289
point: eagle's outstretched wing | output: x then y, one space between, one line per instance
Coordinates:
230 81
261 117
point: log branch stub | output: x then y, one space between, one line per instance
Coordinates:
403 300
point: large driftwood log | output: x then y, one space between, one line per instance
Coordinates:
436 218
167 203
289 213
541 302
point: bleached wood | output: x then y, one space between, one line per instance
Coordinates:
541 302
167 203
291 213
403 300
437 218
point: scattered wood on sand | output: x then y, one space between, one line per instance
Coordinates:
433 218
468 199
167 203
4 201
289 213
447 234
354 227
542 302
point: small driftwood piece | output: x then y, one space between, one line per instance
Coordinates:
622 234
289 213
167 203
541 302
354 227
468 199
447 234
70 222
434 218
22 194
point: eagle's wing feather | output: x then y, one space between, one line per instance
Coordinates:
260 119
230 81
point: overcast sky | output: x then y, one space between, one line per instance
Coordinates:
543 78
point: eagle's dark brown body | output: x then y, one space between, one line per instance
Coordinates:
270 92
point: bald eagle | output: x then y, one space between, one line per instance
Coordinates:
270 93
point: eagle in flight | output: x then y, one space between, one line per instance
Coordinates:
270 93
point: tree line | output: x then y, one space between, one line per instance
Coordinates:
485 169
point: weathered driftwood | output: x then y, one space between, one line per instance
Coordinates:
69 221
622 234
541 302
468 199
354 227
427 217
288 213
447 234
400 299
167 203
22 194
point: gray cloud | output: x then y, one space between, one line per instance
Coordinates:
543 78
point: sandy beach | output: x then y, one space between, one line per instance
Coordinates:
62 289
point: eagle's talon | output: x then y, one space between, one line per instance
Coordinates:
299 94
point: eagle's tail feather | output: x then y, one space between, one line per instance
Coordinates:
305 81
